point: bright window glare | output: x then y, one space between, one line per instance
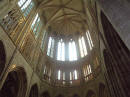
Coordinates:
64 76
34 21
89 40
49 46
84 46
81 48
70 76
25 5
21 2
59 73
52 48
72 51
75 75
61 51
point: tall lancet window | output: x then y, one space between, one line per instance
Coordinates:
61 51
75 75
36 25
89 69
82 46
72 51
89 40
59 75
71 77
26 6
63 77
50 49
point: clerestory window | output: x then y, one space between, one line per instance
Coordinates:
26 6
61 51
72 51
82 46
89 40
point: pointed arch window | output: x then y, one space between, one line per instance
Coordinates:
75 75
61 51
50 49
59 75
82 46
72 51
89 40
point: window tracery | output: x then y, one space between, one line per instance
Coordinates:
36 25
26 6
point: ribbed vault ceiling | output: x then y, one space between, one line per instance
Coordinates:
64 16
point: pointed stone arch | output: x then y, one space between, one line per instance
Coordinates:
102 90
34 91
15 84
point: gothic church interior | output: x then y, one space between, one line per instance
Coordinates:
64 48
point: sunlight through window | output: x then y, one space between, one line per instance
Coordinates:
72 51
75 75
89 40
61 51
59 75
82 46
49 46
